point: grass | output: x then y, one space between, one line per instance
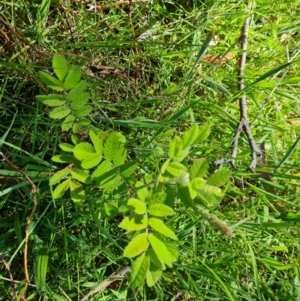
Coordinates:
146 95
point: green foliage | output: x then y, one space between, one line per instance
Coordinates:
71 106
105 164
150 87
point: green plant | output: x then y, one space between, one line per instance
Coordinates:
104 163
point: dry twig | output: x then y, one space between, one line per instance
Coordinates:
243 123
29 220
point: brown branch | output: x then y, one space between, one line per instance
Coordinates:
243 124
104 284
7 267
28 223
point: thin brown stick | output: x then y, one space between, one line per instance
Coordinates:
104 284
243 124
28 223
136 50
24 41
11 279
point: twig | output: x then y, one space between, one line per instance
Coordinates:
243 123
11 279
120 273
28 223
24 41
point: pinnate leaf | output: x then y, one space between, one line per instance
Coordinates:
138 245
59 112
160 210
139 270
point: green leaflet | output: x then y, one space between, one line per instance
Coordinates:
157 198
59 175
80 101
59 112
80 175
77 192
134 223
67 147
219 178
68 123
161 250
153 274
160 210
176 151
199 169
128 168
60 66
97 142
83 150
142 191
51 81
77 90
139 270
72 78
51 100
138 245
159 226
176 169
60 190
139 207
84 111
190 136
204 131
113 143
